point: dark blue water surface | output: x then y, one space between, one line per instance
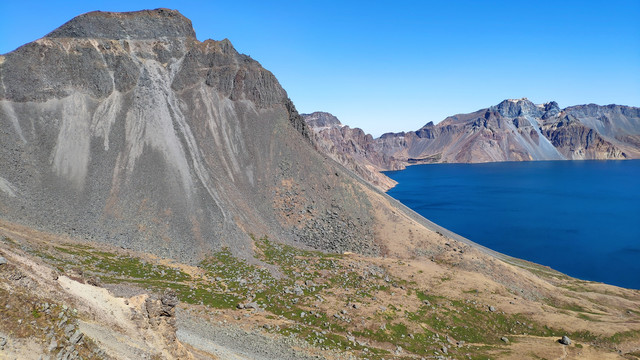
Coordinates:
579 217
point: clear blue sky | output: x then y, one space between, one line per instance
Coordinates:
395 65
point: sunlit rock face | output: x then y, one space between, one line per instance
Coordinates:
519 130
124 128
602 132
352 148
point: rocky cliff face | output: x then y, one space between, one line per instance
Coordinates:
320 120
576 141
514 130
124 128
616 124
352 148
506 132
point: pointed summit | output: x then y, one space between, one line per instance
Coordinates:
512 108
550 109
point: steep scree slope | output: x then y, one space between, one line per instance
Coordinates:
124 128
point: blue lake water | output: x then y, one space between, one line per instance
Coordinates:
579 217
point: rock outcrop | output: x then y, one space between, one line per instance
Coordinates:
615 124
576 141
124 128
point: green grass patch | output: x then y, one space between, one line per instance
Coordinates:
295 281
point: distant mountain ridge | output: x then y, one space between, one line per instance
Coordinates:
513 130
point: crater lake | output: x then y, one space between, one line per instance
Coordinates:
578 217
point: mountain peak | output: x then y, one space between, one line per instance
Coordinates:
135 25
429 124
321 119
512 108
550 109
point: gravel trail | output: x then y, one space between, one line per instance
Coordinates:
230 342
